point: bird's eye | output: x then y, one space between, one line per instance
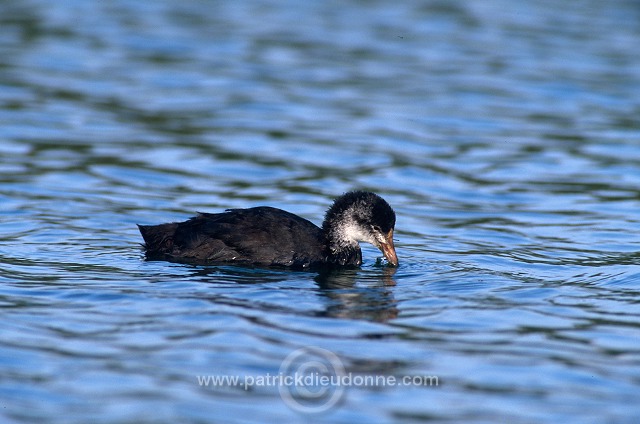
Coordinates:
376 228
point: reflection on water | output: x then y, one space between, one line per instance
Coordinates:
373 301
505 135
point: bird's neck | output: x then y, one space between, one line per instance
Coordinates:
349 255
340 249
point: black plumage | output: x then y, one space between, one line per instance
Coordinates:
273 237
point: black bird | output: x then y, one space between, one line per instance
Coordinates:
268 236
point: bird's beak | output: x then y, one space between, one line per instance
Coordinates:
388 250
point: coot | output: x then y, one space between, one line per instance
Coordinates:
268 236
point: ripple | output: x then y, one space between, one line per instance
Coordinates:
504 135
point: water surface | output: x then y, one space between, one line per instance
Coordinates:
506 137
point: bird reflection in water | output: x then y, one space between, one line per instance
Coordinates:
371 299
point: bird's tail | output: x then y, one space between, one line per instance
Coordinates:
158 239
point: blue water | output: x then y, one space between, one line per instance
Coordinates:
506 135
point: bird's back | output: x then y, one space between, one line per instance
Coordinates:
261 236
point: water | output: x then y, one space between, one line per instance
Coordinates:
506 136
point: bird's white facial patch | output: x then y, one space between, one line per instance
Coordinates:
380 239
353 232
